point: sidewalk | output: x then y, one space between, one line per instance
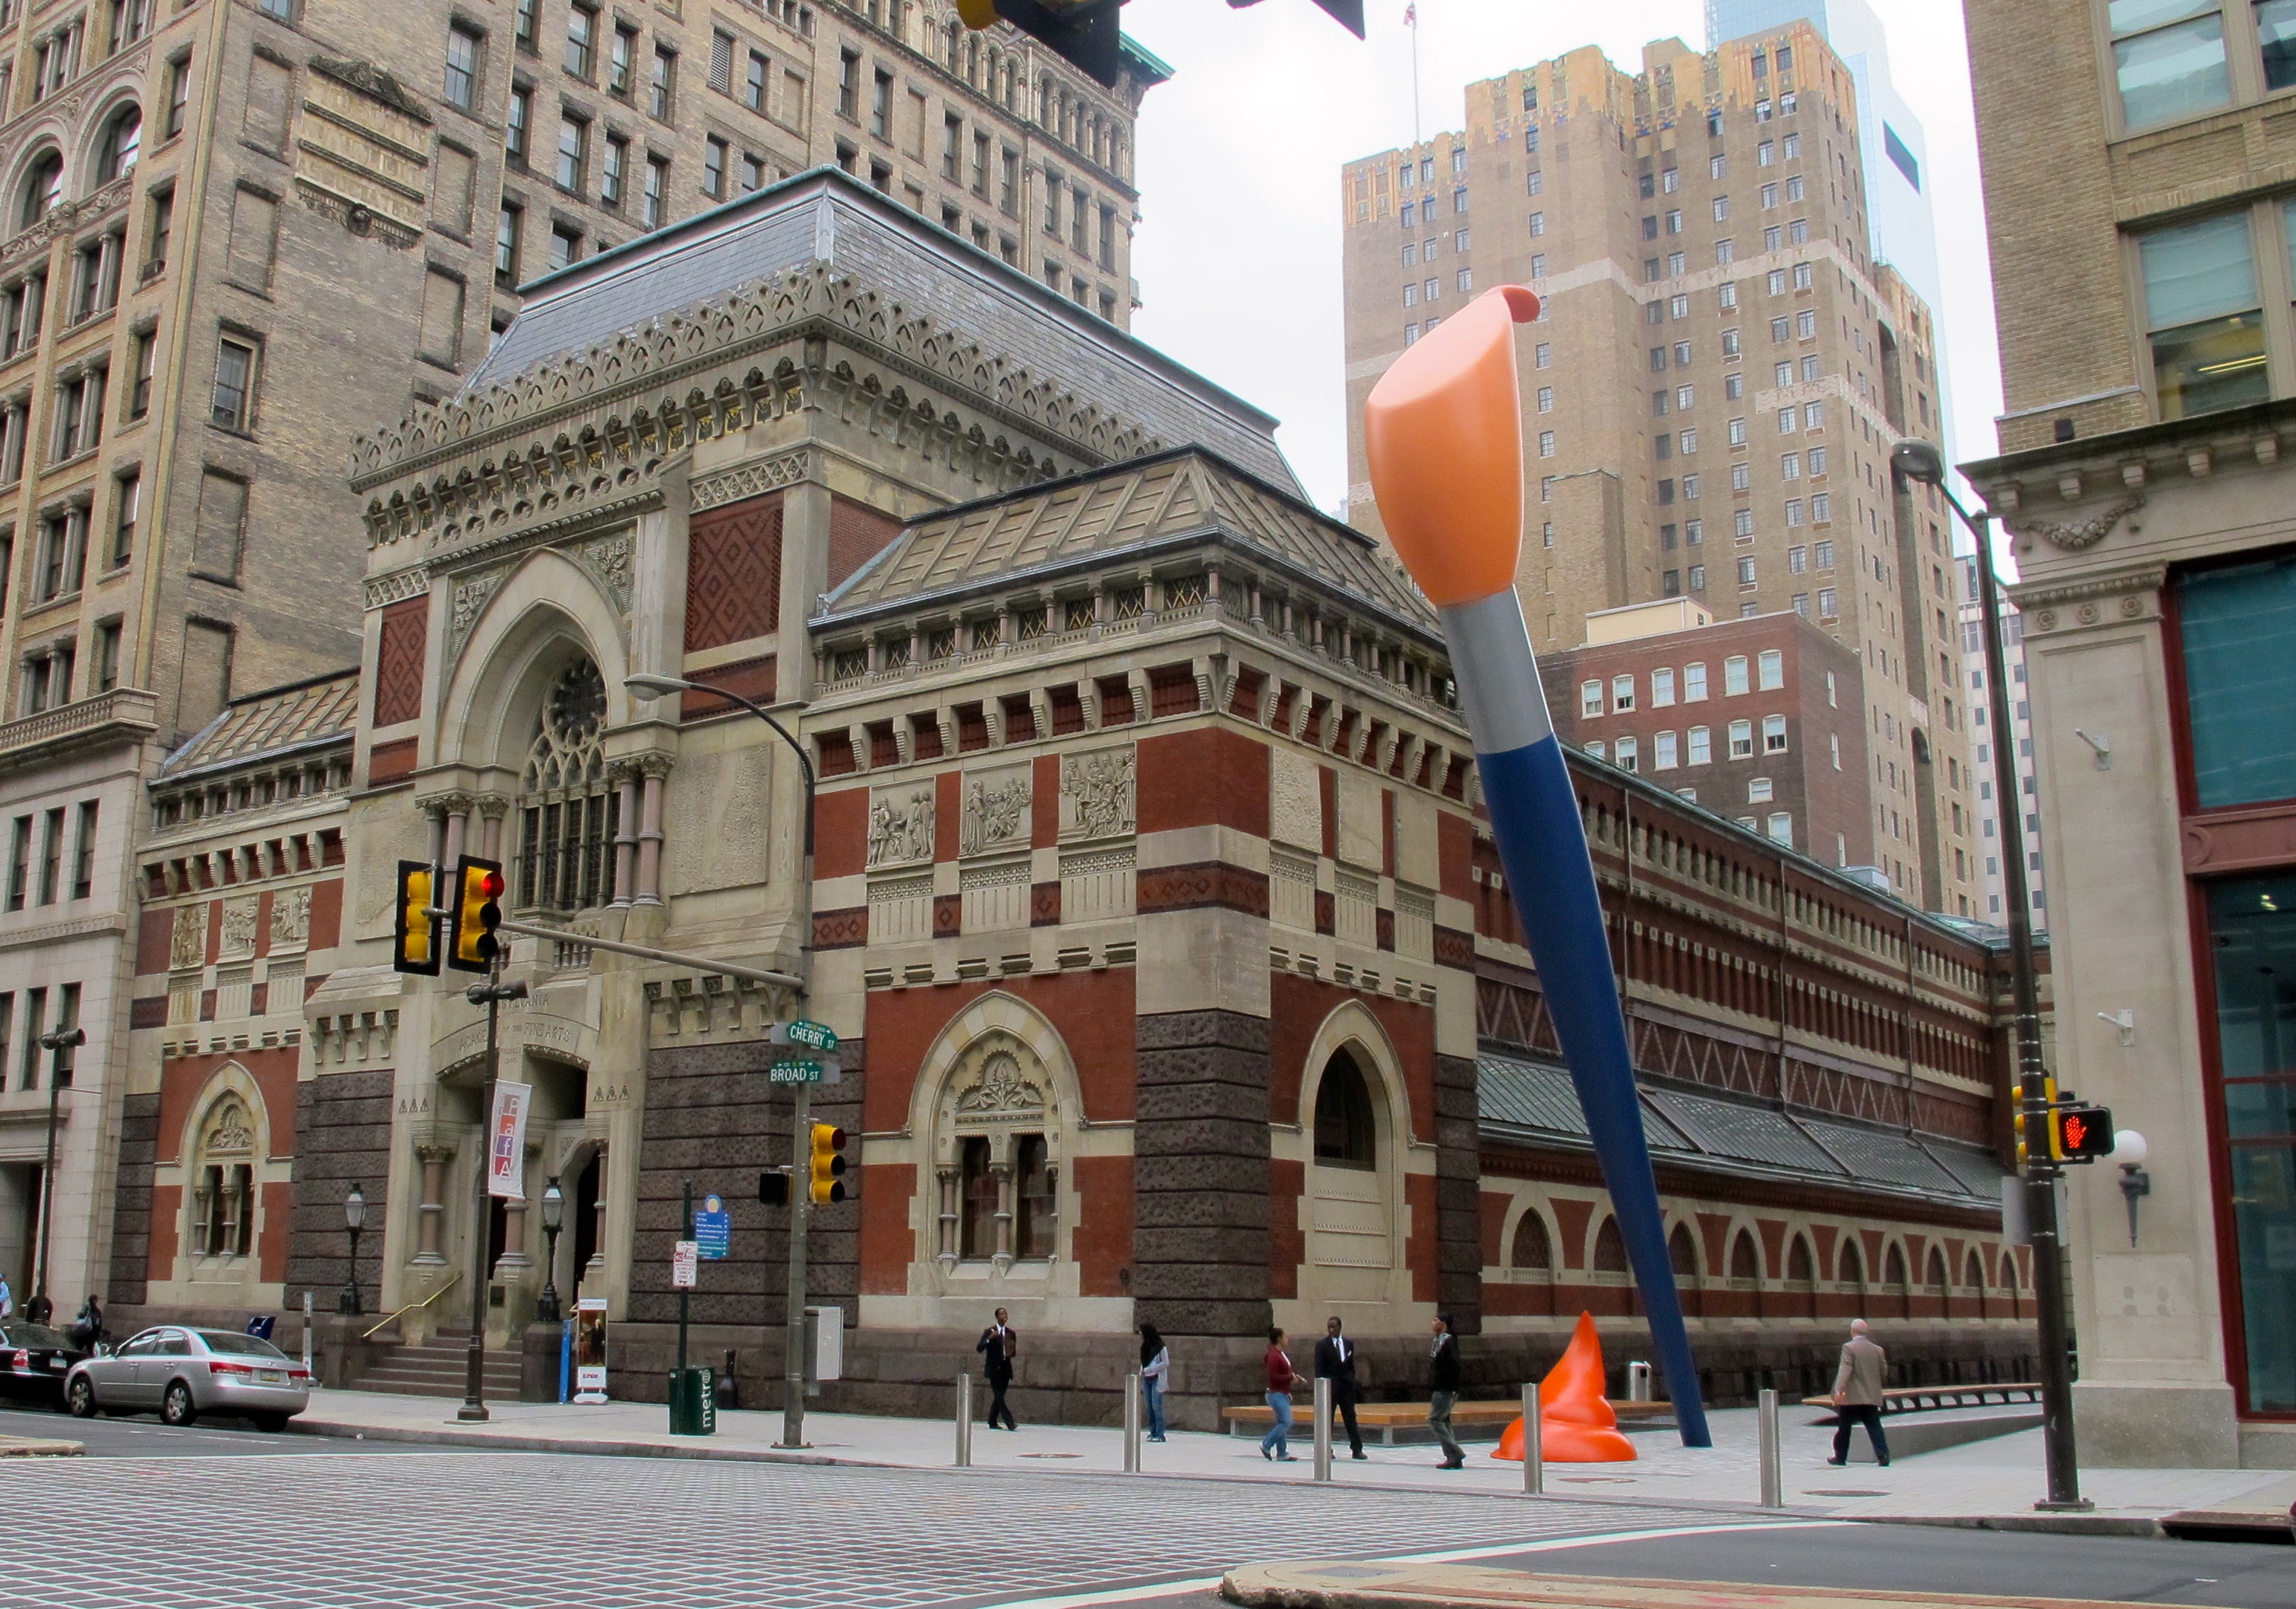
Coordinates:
1993 1482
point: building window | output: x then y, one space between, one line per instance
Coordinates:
1827 609
1702 745
526 27
1741 739
611 170
126 506
2168 56
569 813
664 84
1734 675
1771 669
80 414
1781 827
881 106
2202 311
849 86
462 68
1630 754
1590 699
83 877
753 87
620 69
1665 752
506 234
714 155
1774 734
1622 694
107 657
2239 684
565 246
657 190
233 403
581 40
515 137
573 153
1746 571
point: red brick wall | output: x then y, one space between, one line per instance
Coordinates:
1102 1245
1092 1011
856 532
327 917
1419 1196
398 661
1208 777
887 1243
1287 1242
840 832
734 573
271 1250
155 932
185 1078
167 1216
1296 1008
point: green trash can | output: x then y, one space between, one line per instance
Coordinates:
692 1402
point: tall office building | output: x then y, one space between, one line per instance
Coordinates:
1715 381
2148 364
1989 806
236 232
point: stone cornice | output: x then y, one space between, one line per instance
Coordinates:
2119 470
57 932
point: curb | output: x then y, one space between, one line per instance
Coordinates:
443 1436
2060 1524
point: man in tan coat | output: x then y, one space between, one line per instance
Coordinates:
1857 1394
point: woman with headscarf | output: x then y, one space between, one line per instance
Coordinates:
1155 1370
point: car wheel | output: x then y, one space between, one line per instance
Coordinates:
177 1408
79 1399
270 1425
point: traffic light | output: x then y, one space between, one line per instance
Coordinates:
414 939
828 1164
478 911
2083 1133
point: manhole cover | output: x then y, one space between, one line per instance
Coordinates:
1052 1455
1844 1491
1593 1480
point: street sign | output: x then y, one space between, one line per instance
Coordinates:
713 1229
812 1070
686 1266
814 1036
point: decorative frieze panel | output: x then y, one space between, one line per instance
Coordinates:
608 558
238 929
900 910
2102 600
996 809
187 947
751 479
1099 794
1097 885
900 825
994 897
1290 891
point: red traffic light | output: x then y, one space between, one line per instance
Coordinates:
491 884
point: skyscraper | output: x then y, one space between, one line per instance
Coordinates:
1715 381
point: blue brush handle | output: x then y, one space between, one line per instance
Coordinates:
1542 843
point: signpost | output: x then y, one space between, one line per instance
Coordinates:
801 1073
792 1070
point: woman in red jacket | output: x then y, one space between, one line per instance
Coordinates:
1276 1444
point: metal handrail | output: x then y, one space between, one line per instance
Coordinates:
416 1306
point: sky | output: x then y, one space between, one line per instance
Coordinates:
1239 158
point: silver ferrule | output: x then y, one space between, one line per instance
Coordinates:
1497 674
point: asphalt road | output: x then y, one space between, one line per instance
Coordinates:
144 1437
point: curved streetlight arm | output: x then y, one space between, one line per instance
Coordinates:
804 760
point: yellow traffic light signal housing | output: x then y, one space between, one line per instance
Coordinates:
478 912
828 1164
414 937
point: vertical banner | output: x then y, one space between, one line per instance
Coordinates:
590 1350
506 1140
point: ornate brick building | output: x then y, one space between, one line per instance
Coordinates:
1174 976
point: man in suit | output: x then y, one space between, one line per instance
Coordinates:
1335 1360
1858 1395
999 1346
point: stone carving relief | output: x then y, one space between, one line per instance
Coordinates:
1002 1091
229 1131
2078 534
290 917
471 595
1099 797
731 793
238 929
901 826
1296 802
188 947
996 811
608 558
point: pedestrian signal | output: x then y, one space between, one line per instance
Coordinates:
2083 1133
828 1164
773 1188
478 912
414 938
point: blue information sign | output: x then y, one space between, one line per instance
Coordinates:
713 1229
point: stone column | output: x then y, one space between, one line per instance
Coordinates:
654 770
1006 1187
431 1208
597 1263
456 809
949 1185
492 808
625 774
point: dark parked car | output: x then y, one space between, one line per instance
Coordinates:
33 1361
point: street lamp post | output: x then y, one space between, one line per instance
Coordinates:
801 1136
56 1044
554 1213
491 994
1919 460
353 1221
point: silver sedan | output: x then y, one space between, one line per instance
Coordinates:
181 1373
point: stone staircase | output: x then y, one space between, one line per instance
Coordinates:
439 1367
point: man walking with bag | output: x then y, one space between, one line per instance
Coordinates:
1443 1378
1858 1395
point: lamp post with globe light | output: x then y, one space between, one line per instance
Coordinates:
353 1221
554 1214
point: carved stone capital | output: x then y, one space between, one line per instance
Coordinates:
492 806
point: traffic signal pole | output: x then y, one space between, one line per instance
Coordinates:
800 1223
474 1386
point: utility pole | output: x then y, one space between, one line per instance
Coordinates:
56 1044
491 995
1918 461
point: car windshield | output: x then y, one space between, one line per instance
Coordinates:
33 1335
241 1346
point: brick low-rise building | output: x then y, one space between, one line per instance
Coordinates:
1173 972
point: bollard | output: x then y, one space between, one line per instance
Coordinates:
307 1332
1534 1450
1132 1423
1639 1382
1773 1477
1323 1429
964 1421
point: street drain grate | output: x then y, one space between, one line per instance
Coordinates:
1052 1455
1844 1491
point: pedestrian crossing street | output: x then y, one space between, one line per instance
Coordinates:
466 1531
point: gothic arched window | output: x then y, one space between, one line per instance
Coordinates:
568 813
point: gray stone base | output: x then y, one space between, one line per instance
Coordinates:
2179 1426
2267 1447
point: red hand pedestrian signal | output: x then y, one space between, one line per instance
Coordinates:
2084 1134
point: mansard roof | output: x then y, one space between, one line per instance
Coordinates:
1167 499
917 270
258 728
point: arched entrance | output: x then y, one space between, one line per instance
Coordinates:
1353 1148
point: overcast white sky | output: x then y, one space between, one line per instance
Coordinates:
1238 253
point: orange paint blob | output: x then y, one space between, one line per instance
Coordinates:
1576 1424
1443 433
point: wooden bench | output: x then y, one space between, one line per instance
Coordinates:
1383 1421
1919 1399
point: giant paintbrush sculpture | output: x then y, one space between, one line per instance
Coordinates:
1444 432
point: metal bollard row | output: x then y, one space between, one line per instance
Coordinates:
963 1420
1772 1475
1534 1454
1132 1423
